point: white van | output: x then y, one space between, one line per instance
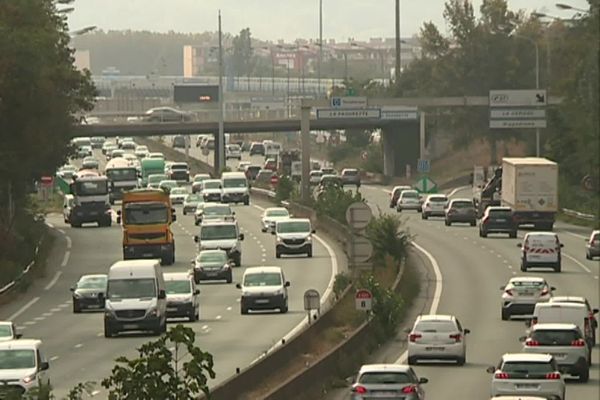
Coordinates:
264 288
293 236
235 188
23 365
541 249
565 313
68 203
224 235
135 298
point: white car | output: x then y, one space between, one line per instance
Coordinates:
380 381
8 331
182 296
541 249
315 177
409 200
23 364
522 293
264 288
270 217
437 337
212 190
178 195
434 206
527 374
141 151
233 151
242 166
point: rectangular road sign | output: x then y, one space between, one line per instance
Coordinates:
399 115
517 123
349 102
332 113
516 98
423 166
517 113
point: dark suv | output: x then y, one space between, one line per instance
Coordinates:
498 220
461 210
257 148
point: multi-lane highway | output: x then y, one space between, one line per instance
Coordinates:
74 343
473 269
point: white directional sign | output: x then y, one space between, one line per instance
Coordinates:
331 113
399 115
517 123
518 113
349 102
512 98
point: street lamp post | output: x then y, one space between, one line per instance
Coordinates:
320 46
219 154
398 40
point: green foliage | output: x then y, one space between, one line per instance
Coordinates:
335 154
160 373
334 202
387 305
242 53
341 282
374 161
285 189
388 237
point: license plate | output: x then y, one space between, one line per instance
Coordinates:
94 213
531 386
211 273
147 255
526 294
500 220
130 326
262 301
172 309
560 356
434 348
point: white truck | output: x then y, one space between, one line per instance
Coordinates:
530 187
122 176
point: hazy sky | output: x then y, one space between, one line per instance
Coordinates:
278 19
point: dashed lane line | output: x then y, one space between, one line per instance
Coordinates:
53 281
23 309
66 257
586 269
69 242
62 231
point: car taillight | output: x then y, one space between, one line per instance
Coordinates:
414 336
485 220
501 375
534 321
545 292
359 389
578 343
451 211
409 389
457 337
553 375
531 343
509 292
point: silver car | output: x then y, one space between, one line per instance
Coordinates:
434 206
387 381
437 337
522 293
527 374
409 200
270 217
592 246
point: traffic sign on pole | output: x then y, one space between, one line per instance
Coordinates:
332 113
423 166
425 185
363 300
349 102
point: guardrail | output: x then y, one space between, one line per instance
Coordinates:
6 288
578 215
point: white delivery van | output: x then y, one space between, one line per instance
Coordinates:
565 313
235 188
23 366
135 298
541 249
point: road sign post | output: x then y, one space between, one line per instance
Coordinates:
312 301
363 300
423 166
360 250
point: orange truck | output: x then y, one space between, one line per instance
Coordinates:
146 216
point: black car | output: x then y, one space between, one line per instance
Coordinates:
166 114
212 265
257 148
498 220
86 293
179 142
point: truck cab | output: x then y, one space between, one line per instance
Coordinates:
91 203
122 177
146 216
151 166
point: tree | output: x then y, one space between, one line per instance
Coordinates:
162 374
40 94
242 53
388 237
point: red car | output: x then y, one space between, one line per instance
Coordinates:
271 164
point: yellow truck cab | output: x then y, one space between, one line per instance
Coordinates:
146 216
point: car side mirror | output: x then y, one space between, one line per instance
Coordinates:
119 219
100 295
238 285
19 335
119 212
490 370
562 245
527 324
522 339
287 284
44 365
552 288
314 231
162 294
233 213
273 233
173 217
350 380
502 287
423 380
65 206
519 245
72 288
406 330
197 292
595 311
241 236
196 239
466 331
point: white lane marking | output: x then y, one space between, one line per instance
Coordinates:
510 267
229 308
505 262
69 242
218 317
64 305
78 346
30 323
204 327
56 309
498 255
596 277
65 260
455 190
514 273
95 392
437 294
258 207
53 281
47 314
54 358
578 263
99 334
23 309
50 225
238 299
576 235
62 231
39 318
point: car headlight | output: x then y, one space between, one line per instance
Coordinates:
308 238
29 379
278 239
76 295
278 292
153 312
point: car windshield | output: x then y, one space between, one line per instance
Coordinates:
438 199
234 183
350 173
217 210
212 184
435 326
146 213
528 284
141 148
278 213
5 331
293 227
547 337
156 178
179 191
500 213
262 279
91 188
131 288
92 282
385 378
17 359
193 198
178 286
122 174
410 195
180 166
200 178
213 258
234 147
516 369
218 232
462 204
169 184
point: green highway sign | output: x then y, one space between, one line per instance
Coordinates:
425 185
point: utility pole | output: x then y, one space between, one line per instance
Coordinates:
398 40
220 154
320 46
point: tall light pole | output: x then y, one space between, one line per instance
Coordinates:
398 55
220 154
320 46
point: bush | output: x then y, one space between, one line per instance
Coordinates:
334 202
342 281
388 237
341 152
285 189
374 161
387 306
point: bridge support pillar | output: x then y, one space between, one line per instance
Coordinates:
400 148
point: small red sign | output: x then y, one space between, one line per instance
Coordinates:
274 180
47 180
363 294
